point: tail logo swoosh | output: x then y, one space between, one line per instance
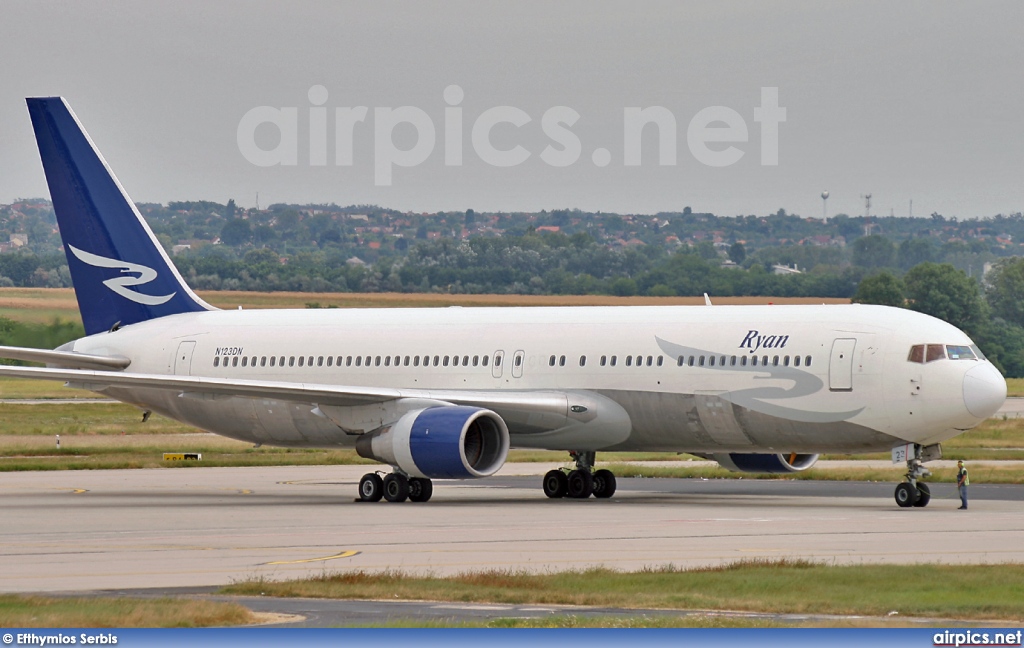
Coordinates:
120 285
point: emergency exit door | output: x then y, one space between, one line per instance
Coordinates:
840 365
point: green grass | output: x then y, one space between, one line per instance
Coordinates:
1015 387
22 388
787 586
89 612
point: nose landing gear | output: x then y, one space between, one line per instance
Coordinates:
581 482
915 492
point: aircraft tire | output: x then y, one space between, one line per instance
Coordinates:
924 495
396 488
420 489
604 484
905 495
556 484
581 484
371 488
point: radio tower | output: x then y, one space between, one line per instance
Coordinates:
867 214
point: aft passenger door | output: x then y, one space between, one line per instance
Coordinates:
840 365
496 368
183 359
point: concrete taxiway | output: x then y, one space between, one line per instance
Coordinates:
89 530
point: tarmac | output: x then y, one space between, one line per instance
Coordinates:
194 527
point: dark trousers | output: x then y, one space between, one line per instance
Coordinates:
963 496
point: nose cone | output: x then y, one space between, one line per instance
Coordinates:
984 390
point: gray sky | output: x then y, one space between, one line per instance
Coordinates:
918 100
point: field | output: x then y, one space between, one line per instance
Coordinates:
43 305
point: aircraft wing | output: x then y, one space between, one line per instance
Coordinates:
524 411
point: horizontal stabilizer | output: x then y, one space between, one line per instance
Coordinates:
68 359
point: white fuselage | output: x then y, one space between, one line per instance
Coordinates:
826 379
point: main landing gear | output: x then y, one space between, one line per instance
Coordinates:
581 482
395 487
915 492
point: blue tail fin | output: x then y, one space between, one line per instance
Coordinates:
120 271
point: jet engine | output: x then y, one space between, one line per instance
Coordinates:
447 442
765 463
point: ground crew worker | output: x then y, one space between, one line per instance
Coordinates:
962 481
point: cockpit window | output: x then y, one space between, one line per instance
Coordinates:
935 352
960 352
977 352
916 354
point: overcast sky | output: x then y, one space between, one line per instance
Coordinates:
919 100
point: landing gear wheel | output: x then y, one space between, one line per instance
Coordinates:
604 483
556 484
581 484
906 495
924 495
420 489
371 488
396 488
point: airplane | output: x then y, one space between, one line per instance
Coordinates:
443 393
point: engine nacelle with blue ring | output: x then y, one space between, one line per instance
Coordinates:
447 442
765 463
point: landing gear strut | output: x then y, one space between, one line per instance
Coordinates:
914 492
395 487
580 482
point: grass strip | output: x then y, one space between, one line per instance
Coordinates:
780 586
88 612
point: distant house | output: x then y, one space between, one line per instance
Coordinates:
355 261
549 228
178 249
19 240
784 270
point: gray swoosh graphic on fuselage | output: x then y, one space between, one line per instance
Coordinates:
804 384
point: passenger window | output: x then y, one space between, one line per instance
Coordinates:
359 361
732 361
935 352
310 362
216 361
639 361
785 361
679 361
416 361
551 361
338 361
320 361
960 352
291 361
348 361
701 361
613 360
376 361
330 361
629 361
387 361
446 361
437 360
753 361
796 361
916 354
743 361
661 360
690 361
604 360
583 361
764 361
650 360
497 361
561 361
721 361
711 361
405 361
476 360
465 361
263 361
455 361
273 361
519 360
807 361
302 360
483 360
775 361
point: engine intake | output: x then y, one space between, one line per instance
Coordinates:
766 463
452 442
